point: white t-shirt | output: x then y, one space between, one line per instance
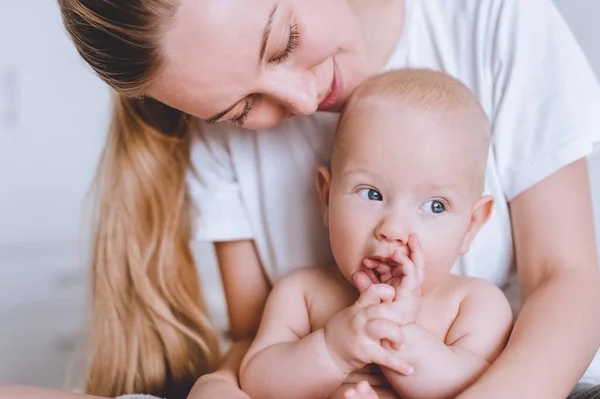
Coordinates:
517 56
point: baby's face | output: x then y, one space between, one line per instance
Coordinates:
396 174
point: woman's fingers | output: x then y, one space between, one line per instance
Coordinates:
385 330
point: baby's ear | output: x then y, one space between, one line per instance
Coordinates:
481 213
323 185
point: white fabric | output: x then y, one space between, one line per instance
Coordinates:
517 56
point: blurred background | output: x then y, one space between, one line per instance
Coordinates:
53 118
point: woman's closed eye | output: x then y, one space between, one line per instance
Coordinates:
240 119
292 44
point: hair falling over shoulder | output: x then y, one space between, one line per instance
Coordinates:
150 328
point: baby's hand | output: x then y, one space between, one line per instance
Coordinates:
362 391
407 300
354 335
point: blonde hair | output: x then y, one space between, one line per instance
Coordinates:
150 330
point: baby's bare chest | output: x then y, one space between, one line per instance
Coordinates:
437 313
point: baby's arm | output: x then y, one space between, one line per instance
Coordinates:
475 339
286 360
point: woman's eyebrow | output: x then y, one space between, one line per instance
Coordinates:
263 46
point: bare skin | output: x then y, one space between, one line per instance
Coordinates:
402 201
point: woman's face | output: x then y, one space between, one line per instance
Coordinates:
254 63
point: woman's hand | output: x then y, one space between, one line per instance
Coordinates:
216 386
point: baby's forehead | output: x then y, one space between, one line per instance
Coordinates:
422 128
444 109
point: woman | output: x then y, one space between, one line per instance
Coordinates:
270 66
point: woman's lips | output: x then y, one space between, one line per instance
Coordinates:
335 90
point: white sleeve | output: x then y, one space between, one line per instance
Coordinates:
546 100
221 214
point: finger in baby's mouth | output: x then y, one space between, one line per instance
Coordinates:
381 270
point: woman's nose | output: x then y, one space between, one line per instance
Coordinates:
296 92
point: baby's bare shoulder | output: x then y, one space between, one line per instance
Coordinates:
484 318
464 286
310 281
325 291
478 295
308 276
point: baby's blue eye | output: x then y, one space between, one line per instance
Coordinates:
370 194
434 206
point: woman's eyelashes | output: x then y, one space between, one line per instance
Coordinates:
292 44
239 120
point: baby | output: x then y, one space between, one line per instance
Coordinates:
402 199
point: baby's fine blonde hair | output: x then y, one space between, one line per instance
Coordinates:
425 89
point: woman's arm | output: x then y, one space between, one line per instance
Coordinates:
245 285
246 290
558 330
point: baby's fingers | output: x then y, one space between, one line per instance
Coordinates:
416 255
385 330
363 390
390 360
410 278
376 294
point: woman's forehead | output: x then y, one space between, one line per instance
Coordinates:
212 47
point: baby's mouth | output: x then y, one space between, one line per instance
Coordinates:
382 270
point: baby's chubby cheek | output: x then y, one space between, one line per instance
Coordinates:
346 247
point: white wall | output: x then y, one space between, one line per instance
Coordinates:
53 118
52 127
